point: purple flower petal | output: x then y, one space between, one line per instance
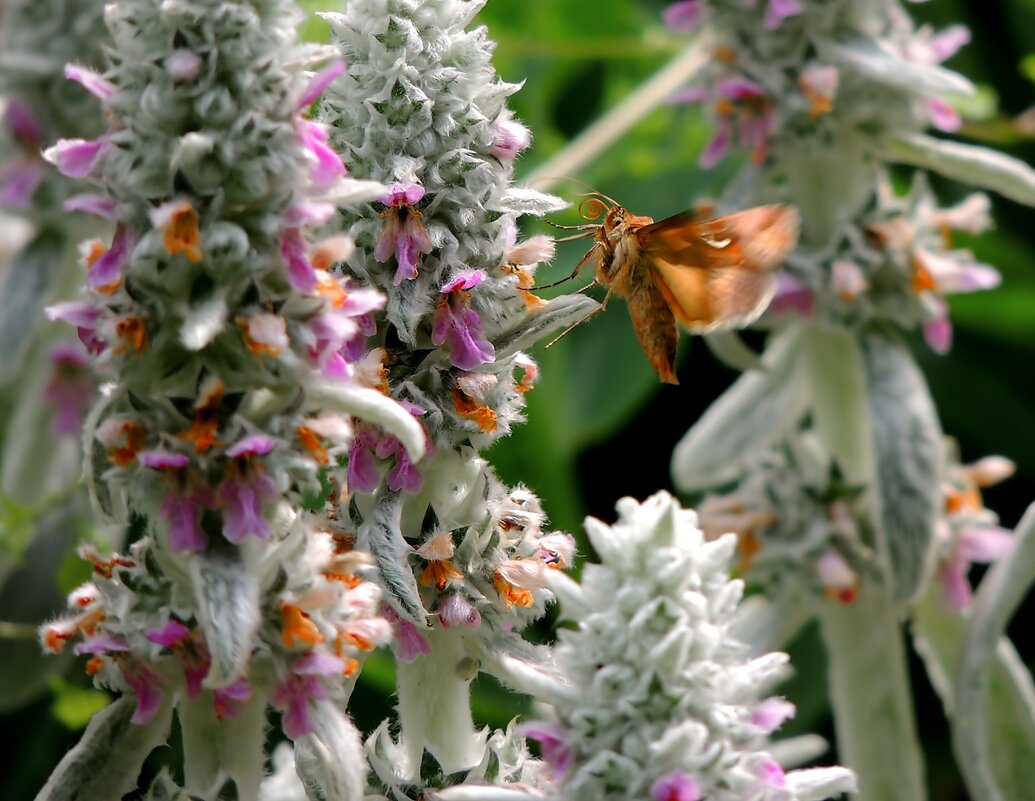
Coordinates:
99 87
945 44
162 459
170 635
318 663
456 610
779 10
23 123
243 502
986 544
404 477
363 475
76 158
402 195
465 279
717 148
771 714
319 83
307 212
182 512
327 165
19 182
145 685
552 739
675 786
955 593
683 17
107 270
294 250
943 116
102 644
409 643
938 335
98 205
251 445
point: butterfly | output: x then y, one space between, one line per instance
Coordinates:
703 274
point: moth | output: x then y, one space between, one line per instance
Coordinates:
703 274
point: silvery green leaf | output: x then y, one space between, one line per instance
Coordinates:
26 282
836 377
730 349
993 714
478 792
30 474
800 750
521 200
907 440
756 411
770 625
819 784
871 698
216 750
373 407
1010 733
330 761
969 164
542 321
435 705
381 535
227 598
203 322
106 761
871 59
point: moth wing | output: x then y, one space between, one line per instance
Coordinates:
757 239
706 299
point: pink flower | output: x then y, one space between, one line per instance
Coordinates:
84 317
99 87
295 251
793 296
327 166
457 610
459 325
23 123
251 445
227 700
182 510
363 475
510 137
76 158
745 116
403 476
293 693
145 684
107 270
319 83
183 65
163 459
70 389
243 501
101 644
404 234
771 774
98 205
19 181
552 739
675 786
684 16
779 10
976 545
772 713
170 635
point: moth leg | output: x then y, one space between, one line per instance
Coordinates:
574 273
583 318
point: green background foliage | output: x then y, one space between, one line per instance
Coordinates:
600 425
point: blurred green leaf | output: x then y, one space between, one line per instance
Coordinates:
74 706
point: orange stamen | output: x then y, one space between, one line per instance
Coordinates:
749 546
470 410
351 666
133 442
298 628
132 333
312 443
440 572
922 278
181 233
95 665
512 596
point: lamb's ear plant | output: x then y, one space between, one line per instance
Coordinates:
831 451
228 400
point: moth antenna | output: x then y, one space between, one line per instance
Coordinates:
570 227
583 318
574 273
593 191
